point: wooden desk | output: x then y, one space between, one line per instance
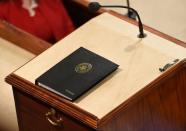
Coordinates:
16 48
8 63
145 108
136 97
22 39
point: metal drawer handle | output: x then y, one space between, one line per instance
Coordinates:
51 117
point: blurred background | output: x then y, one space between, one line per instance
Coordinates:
167 16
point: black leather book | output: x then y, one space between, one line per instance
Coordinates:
76 74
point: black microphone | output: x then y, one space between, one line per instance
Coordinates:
130 13
95 6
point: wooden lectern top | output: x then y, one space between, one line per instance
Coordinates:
114 39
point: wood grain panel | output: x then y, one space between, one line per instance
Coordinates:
31 110
22 39
162 109
53 100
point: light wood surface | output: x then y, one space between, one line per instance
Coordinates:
114 39
166 16
11 57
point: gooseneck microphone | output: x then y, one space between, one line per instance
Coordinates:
95 6
130 13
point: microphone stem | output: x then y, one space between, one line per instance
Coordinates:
128 5
140 25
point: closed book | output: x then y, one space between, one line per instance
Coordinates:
76 74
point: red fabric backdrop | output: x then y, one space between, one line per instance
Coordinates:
51 21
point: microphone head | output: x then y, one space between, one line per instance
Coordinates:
94 6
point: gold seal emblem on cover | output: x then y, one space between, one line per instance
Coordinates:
83 67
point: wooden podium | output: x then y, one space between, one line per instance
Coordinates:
135 97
